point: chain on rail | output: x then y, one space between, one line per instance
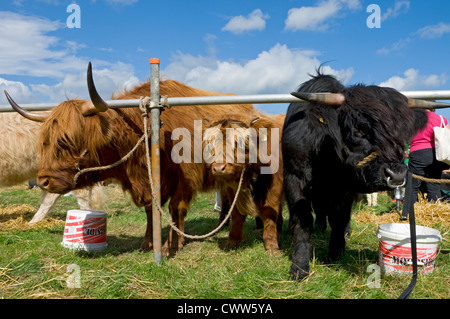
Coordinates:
143 106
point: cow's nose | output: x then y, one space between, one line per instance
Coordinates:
395 178
219 168
43 182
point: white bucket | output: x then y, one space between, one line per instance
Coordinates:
85 230
395 248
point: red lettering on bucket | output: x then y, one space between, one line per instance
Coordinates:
395 258
87 231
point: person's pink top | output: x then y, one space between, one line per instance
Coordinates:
425 137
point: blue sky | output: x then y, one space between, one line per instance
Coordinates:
242 47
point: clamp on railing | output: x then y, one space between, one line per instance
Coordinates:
146 104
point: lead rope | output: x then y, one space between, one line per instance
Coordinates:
163 213
101 168
144 101
412 230
409 211
367 159
412 223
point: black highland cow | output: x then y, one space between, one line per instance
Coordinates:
324 143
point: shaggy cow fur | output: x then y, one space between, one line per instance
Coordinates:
322 146
70 141
261 195
19 158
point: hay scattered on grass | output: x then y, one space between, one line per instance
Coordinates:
426 214
431 214
17 218
368 216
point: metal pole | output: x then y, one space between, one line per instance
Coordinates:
226 99
155 113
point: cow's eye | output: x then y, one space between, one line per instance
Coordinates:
85 153
62 144
358 133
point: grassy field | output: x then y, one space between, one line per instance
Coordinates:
33 264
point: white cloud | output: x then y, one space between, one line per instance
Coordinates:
397 46
311 18
27 49
115 77
18 3
317 18
210 43
118 76
15 88
121 2
256 20
74 46
352 4
108 49
427 32
434 31
412 80
278 70
400 7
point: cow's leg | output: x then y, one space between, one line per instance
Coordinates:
47 202
178 210
147 244
86 197
339 222
235 235
280 219
270 217
321 220
322 207
91 197
301 225
259 224
83 196
271 214
237 224
225 208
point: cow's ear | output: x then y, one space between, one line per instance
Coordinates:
88 108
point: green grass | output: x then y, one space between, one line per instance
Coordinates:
33 264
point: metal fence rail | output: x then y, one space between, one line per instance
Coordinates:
226 99
203 100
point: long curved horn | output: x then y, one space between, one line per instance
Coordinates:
427 104
38 117
97 101
335 99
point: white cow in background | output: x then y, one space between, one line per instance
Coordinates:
19 159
